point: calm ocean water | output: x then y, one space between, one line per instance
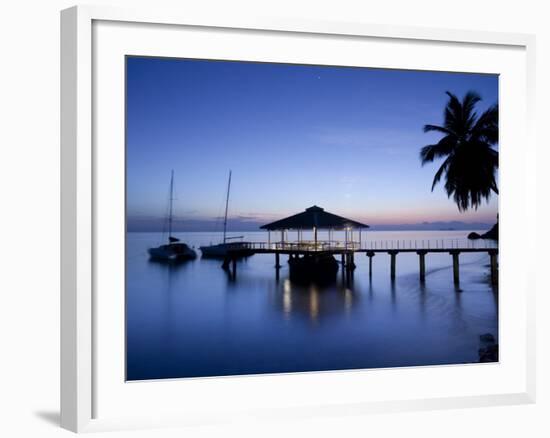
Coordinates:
193 320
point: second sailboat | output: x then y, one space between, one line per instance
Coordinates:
221 250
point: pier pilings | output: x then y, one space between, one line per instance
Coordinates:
230 265
347 257
422 263
393 256
350 261
456 273
370 255
494 267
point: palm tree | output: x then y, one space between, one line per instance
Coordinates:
471 163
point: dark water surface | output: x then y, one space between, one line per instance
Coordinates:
193 320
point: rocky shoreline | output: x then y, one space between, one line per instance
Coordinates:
491 234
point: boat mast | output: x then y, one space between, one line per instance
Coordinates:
226 208
171 202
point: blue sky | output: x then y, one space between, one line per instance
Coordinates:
346 139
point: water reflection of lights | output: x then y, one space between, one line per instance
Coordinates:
348 299
287 297
313 302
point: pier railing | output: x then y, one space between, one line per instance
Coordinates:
306 246
403 244
430 244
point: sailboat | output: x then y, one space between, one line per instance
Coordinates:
174 250
221 249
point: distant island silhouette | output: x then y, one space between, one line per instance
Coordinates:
246 225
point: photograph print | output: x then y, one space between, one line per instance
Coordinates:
285 218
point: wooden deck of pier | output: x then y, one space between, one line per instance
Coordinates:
348 250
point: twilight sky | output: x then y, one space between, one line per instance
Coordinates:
346 139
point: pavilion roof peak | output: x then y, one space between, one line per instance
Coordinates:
315 208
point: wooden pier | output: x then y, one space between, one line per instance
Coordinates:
316 220
347 251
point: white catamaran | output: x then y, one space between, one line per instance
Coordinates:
221 249
174 250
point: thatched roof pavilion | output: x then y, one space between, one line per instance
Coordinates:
315 218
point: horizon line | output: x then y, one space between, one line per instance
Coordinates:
364 230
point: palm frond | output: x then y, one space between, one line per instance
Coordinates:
469 102
453 111
471 163
436 128
486 127
441 149
442 169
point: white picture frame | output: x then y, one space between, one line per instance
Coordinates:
82 373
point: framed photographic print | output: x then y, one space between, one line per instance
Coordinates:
283 218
